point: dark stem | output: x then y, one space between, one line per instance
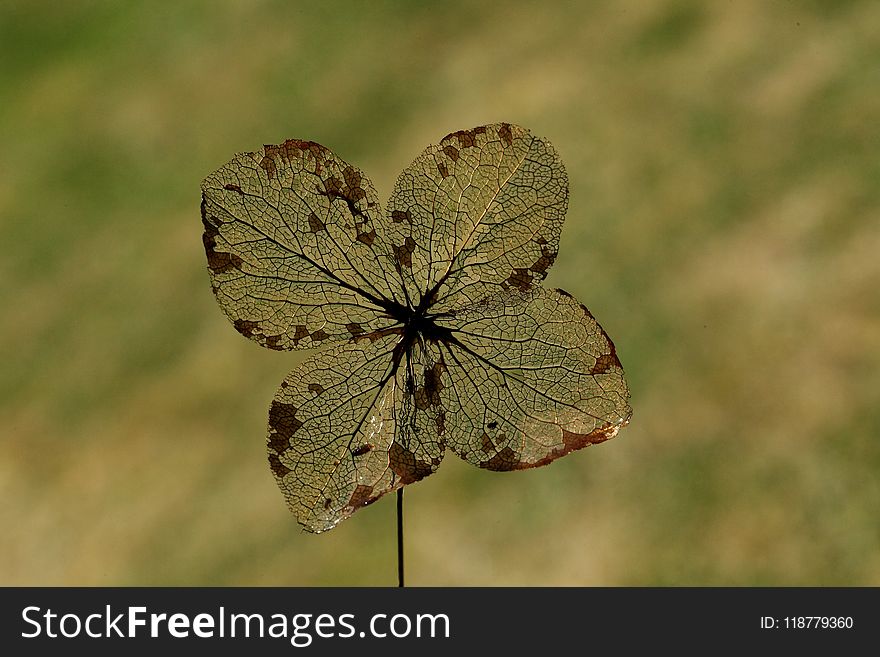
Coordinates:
400 537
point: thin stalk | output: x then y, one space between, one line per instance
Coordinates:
400 537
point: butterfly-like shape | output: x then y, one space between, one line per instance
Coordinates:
433 329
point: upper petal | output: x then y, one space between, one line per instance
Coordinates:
295 245
479 212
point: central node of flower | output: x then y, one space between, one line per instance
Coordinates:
419 323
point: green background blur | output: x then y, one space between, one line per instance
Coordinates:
724 227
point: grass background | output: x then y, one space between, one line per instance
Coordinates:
724 227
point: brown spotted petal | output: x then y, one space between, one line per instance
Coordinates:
344 430
331 425
535 377
478 213
294 241
422 383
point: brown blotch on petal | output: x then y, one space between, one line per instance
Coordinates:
397 217
223 262
317 151
278 443
440 421
506 459
405 464
466 138
405 251
315 224
429 394
282 419
363 449
361 496
332 186
245 327
433 384
615 361
278 468
355 329
348 190
352 177
353 189
300 333
367 238
543 263
521 279
451 152
505 133
268 165
604 363
288 150
218 261
272 342
372 336
297 147
573 441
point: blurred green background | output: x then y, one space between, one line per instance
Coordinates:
724 227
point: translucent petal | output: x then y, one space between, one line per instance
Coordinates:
478 213
533 377
331 425
295 251
349 425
